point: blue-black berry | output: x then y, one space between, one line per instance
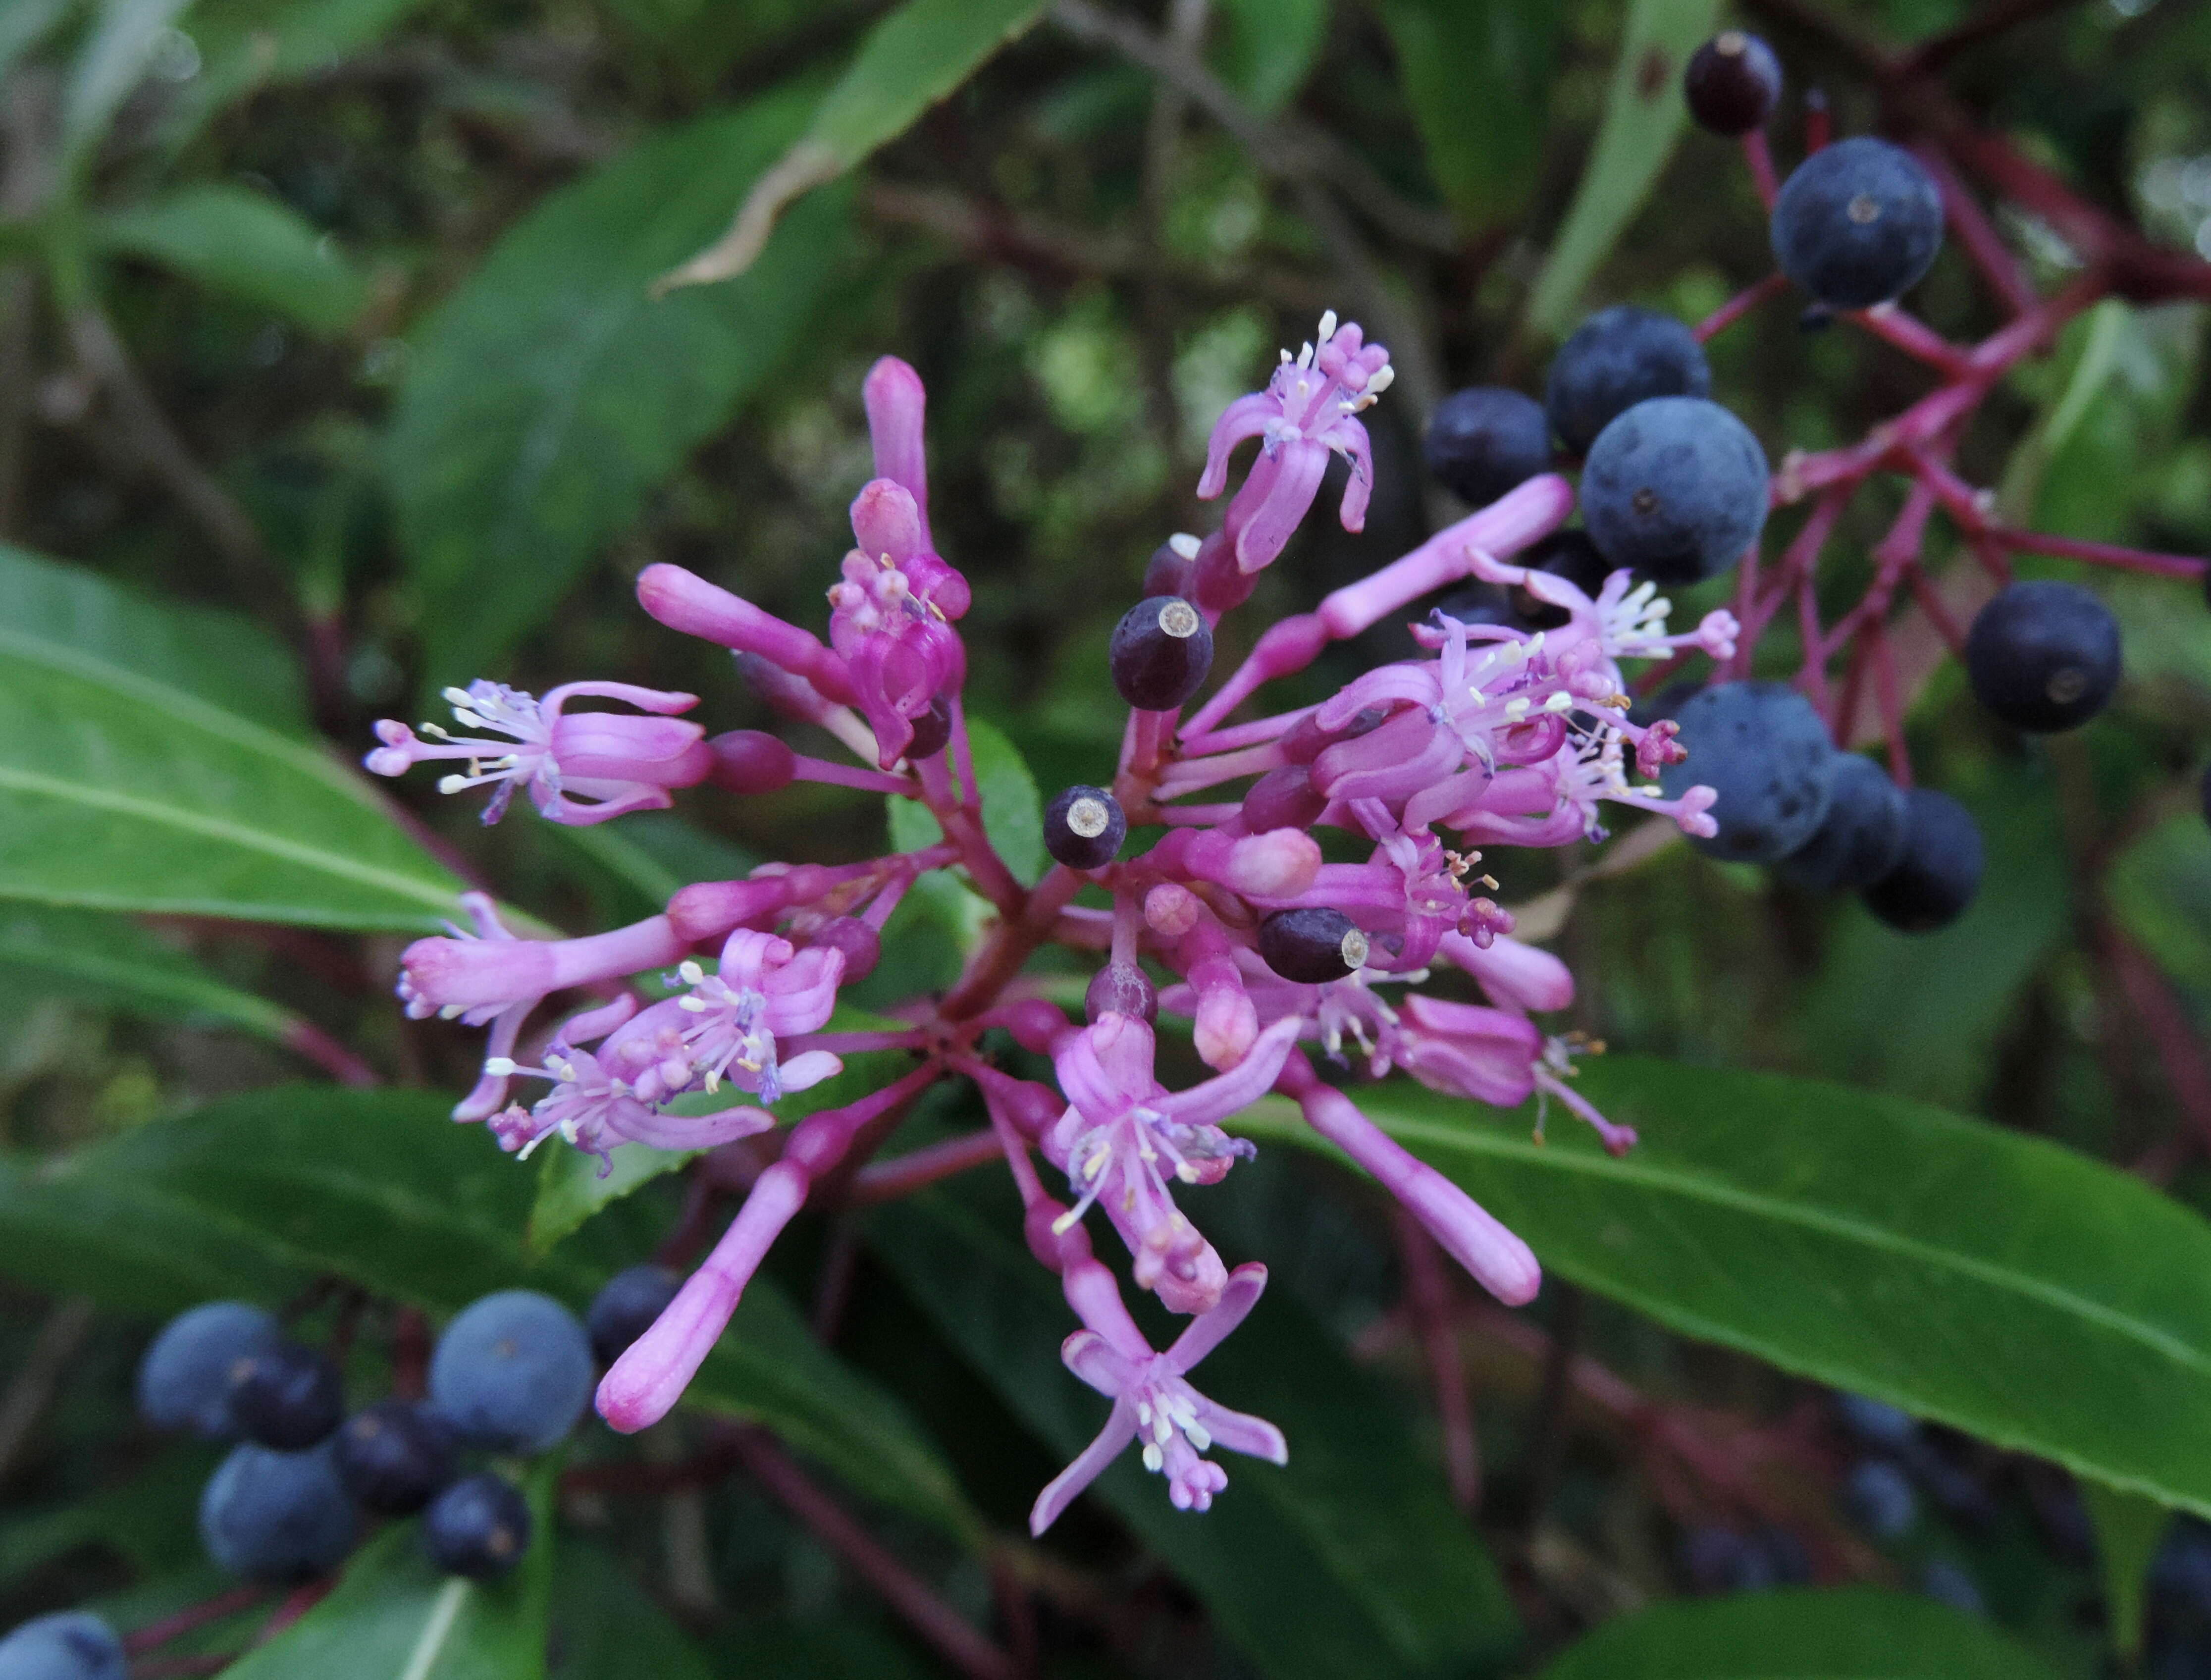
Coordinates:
281 1518
1941 869
1312 946
1860 839
625 1308
513 1372
1676 488
1762 748
1617 358
2044 656
1484 440
1084 827
479 1527
1876 1423
1858 223
1878 1498
184 1381
932 730
393 1457
1733 84
1161 651
70 1645
287 1397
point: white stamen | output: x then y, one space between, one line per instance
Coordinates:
498 1066
690 972
1326 325
1384 377
1154 1458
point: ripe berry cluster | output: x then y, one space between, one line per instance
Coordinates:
509 1379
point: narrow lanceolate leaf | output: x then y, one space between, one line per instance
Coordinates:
604 1628
120 792
2022 1292
1477 74
253 1195
112 960
553 393
1350 1560
224 660
394 1616
915 57
1853 1634
1642 118
2129 1527
244 245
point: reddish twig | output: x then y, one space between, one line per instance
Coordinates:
888 1180
155 1634
1428 1305
1739 306
945 1631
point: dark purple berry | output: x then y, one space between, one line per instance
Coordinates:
2044 656
1312 946
287 1397
1858 223
1733 84
1084 827
1879 1499
1675 487
931 731
513 1372
1876 1423
393 1457
478 1528
1161 651
1484 440
283 1518
1762 748
1941 869
184 1381
1284 798
1861 837
625 1308
1121 988
70 1645
1617 358
1172 567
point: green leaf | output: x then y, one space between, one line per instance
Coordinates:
606 1628
2159 889
120 791
1266 48
248 44
244 243
912 59
1350 1560
1997 1283
650 855
569 1189
224 660
112 960
1477 74
25 23
256 1194
552 393
108 66
2127 1529
394 1615
1858 1633
1642 118
1013 810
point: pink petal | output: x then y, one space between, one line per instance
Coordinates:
1218 1098
1241 1432
1268 527
1120 1429
1209 1330
896 403
1245 417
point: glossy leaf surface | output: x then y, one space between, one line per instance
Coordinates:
246 245
1997 1283
553 392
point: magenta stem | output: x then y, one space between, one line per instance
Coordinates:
1760 156
1976 235
308 1040
888 1180
806 769
1740 305
1428 1305
154 1635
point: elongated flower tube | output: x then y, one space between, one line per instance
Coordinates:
618 762
1154 1402
476 977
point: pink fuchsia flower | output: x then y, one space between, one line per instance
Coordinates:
1124 1135
476 977
1153 1402
1466 1049
618 762
765 989
1306 413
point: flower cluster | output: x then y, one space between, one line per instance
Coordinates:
1232 921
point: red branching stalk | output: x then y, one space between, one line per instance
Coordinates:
1429 1304
154 1635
